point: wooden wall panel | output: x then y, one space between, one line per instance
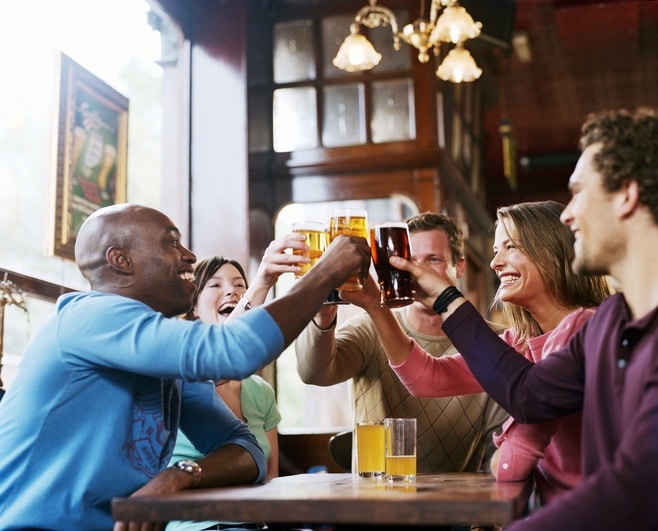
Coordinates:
417 184
219 210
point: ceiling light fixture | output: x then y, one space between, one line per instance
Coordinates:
453 25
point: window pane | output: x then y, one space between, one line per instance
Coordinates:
343 116
30 101
393 111
19 327
382 40
293 51
295 121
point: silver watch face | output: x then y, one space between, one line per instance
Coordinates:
191 467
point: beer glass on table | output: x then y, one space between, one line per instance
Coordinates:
400 448
370 458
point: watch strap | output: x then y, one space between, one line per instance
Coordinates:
191 467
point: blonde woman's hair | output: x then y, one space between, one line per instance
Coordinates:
548 243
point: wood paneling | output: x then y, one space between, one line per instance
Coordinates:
219 210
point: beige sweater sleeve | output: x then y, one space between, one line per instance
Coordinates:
328 357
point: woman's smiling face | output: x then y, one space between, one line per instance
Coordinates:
521 282
220 295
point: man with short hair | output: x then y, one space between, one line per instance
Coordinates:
454 433
609 369
103 387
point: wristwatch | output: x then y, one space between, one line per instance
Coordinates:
191 467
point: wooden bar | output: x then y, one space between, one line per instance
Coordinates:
437 499
34 287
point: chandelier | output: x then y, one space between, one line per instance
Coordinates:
453 25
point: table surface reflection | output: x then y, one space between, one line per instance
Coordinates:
456 498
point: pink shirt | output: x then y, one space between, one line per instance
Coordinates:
549 450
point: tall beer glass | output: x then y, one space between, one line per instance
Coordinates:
400 448
349 222
386 240
370 456
317 238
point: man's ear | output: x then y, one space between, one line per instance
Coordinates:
460 267
119 260
628 198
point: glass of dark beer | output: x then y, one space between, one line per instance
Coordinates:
386 240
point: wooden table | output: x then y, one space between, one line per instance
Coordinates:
459 498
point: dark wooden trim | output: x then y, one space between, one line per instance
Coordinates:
385 157
454 179
35 287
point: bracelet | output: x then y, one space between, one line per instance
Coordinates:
447 296
331 325
245 303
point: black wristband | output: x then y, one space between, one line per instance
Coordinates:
447 296
333 323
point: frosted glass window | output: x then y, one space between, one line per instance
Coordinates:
382 40
293 51
393 111
344 123
295 119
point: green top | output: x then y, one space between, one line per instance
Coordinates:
260 410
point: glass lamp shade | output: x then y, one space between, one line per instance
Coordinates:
356 54
455 25
459 66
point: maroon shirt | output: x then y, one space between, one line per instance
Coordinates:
609 370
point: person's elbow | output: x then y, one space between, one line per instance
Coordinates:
312 376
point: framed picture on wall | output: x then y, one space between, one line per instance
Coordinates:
91 151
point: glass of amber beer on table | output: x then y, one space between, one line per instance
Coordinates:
317 238
400 450
370 462
386 240
349 222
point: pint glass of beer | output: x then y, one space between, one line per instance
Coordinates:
386 240
350 222
400 449
317 238
370 456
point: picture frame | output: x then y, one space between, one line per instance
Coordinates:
91 151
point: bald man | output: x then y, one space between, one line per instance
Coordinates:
103 387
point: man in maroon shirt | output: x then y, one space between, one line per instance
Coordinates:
610 368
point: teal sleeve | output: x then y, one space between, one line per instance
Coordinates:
260 410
